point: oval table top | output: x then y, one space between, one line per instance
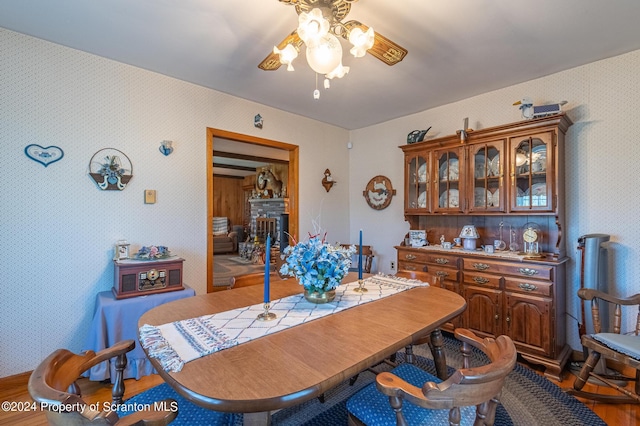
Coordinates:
294 365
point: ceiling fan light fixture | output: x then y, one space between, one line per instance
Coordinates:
286 55
312 26
325 55
320 24
361 40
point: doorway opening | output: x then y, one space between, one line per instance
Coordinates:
292 184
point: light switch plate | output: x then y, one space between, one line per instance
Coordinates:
149 196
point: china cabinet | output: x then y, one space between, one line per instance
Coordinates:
507 181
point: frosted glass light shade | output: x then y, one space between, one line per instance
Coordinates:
338 72
286 55
362 41
325 55
312 26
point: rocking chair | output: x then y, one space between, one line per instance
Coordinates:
621 348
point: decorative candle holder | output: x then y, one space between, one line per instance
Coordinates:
360 288
266 315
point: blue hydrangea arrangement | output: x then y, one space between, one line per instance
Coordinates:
318 266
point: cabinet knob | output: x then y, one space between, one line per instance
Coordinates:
528 271
508 319
481 266
527 287
409 256
410 268
442 261
442 274
497 317
481 280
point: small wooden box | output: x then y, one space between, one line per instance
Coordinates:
141 277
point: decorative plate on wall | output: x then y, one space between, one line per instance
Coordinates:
379 192
110 169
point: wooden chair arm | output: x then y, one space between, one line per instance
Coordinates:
589 294
467 336
111 352
392 385
121 347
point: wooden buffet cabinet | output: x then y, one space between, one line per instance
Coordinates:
501 180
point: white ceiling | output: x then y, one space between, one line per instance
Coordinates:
457 48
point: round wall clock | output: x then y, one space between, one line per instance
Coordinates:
379 192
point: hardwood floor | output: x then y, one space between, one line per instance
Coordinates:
14 390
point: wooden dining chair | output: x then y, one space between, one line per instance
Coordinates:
429 400
53 386
612 345
367 257
265 226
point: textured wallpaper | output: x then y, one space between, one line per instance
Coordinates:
58 229
602 163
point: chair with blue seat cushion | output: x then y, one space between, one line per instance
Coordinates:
408 395
189 414
612 345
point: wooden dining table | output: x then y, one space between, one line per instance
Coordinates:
294 365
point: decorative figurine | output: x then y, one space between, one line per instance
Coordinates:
166 148
530 111
257 121
464 132
327 180
417 136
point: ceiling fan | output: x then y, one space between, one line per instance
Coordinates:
320 23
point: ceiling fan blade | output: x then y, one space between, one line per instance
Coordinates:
384 49
272 61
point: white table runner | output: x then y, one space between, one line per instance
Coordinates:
176 343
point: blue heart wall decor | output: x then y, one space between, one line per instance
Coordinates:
44 156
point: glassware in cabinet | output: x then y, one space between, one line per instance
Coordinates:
485 176
417 182
531 172
449 167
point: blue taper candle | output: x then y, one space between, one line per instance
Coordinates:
360 257
267 269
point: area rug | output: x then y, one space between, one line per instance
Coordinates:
224 268
528 399
240 260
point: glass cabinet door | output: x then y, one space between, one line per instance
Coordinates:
531 172
449 168
486 178
417 183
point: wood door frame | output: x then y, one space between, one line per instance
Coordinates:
292 184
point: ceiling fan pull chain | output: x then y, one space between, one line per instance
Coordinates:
316 93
